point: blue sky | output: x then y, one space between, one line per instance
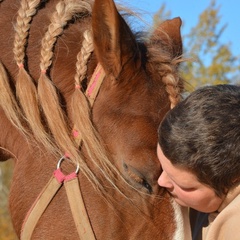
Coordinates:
189 11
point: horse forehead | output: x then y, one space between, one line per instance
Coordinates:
134 96
139 111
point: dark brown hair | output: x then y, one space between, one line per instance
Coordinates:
202 134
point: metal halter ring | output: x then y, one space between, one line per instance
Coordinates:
65 158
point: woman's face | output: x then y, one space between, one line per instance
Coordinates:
185 188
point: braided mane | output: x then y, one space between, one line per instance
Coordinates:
38 98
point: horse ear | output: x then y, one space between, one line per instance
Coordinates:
168 36
114 43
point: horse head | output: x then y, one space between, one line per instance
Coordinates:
117 151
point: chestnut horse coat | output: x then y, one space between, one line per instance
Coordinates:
48 52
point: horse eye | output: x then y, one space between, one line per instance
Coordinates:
147 186
136 178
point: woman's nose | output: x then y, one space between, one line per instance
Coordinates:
164 180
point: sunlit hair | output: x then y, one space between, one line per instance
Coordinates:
7 98
25 87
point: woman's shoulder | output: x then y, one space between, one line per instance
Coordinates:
225 224
231 200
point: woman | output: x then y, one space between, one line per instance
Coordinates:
199 150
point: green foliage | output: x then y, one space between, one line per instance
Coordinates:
212 61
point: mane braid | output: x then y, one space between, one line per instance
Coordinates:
8 102
65 10
81 113
168 70
173 83
83 57
172 88
25 87
25 13
46 90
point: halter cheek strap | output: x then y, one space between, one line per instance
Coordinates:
95 84
38 207
71 184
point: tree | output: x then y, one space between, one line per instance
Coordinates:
212 61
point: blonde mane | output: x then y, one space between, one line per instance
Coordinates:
38 98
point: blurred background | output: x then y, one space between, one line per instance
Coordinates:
211 37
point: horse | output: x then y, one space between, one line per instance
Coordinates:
50 51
